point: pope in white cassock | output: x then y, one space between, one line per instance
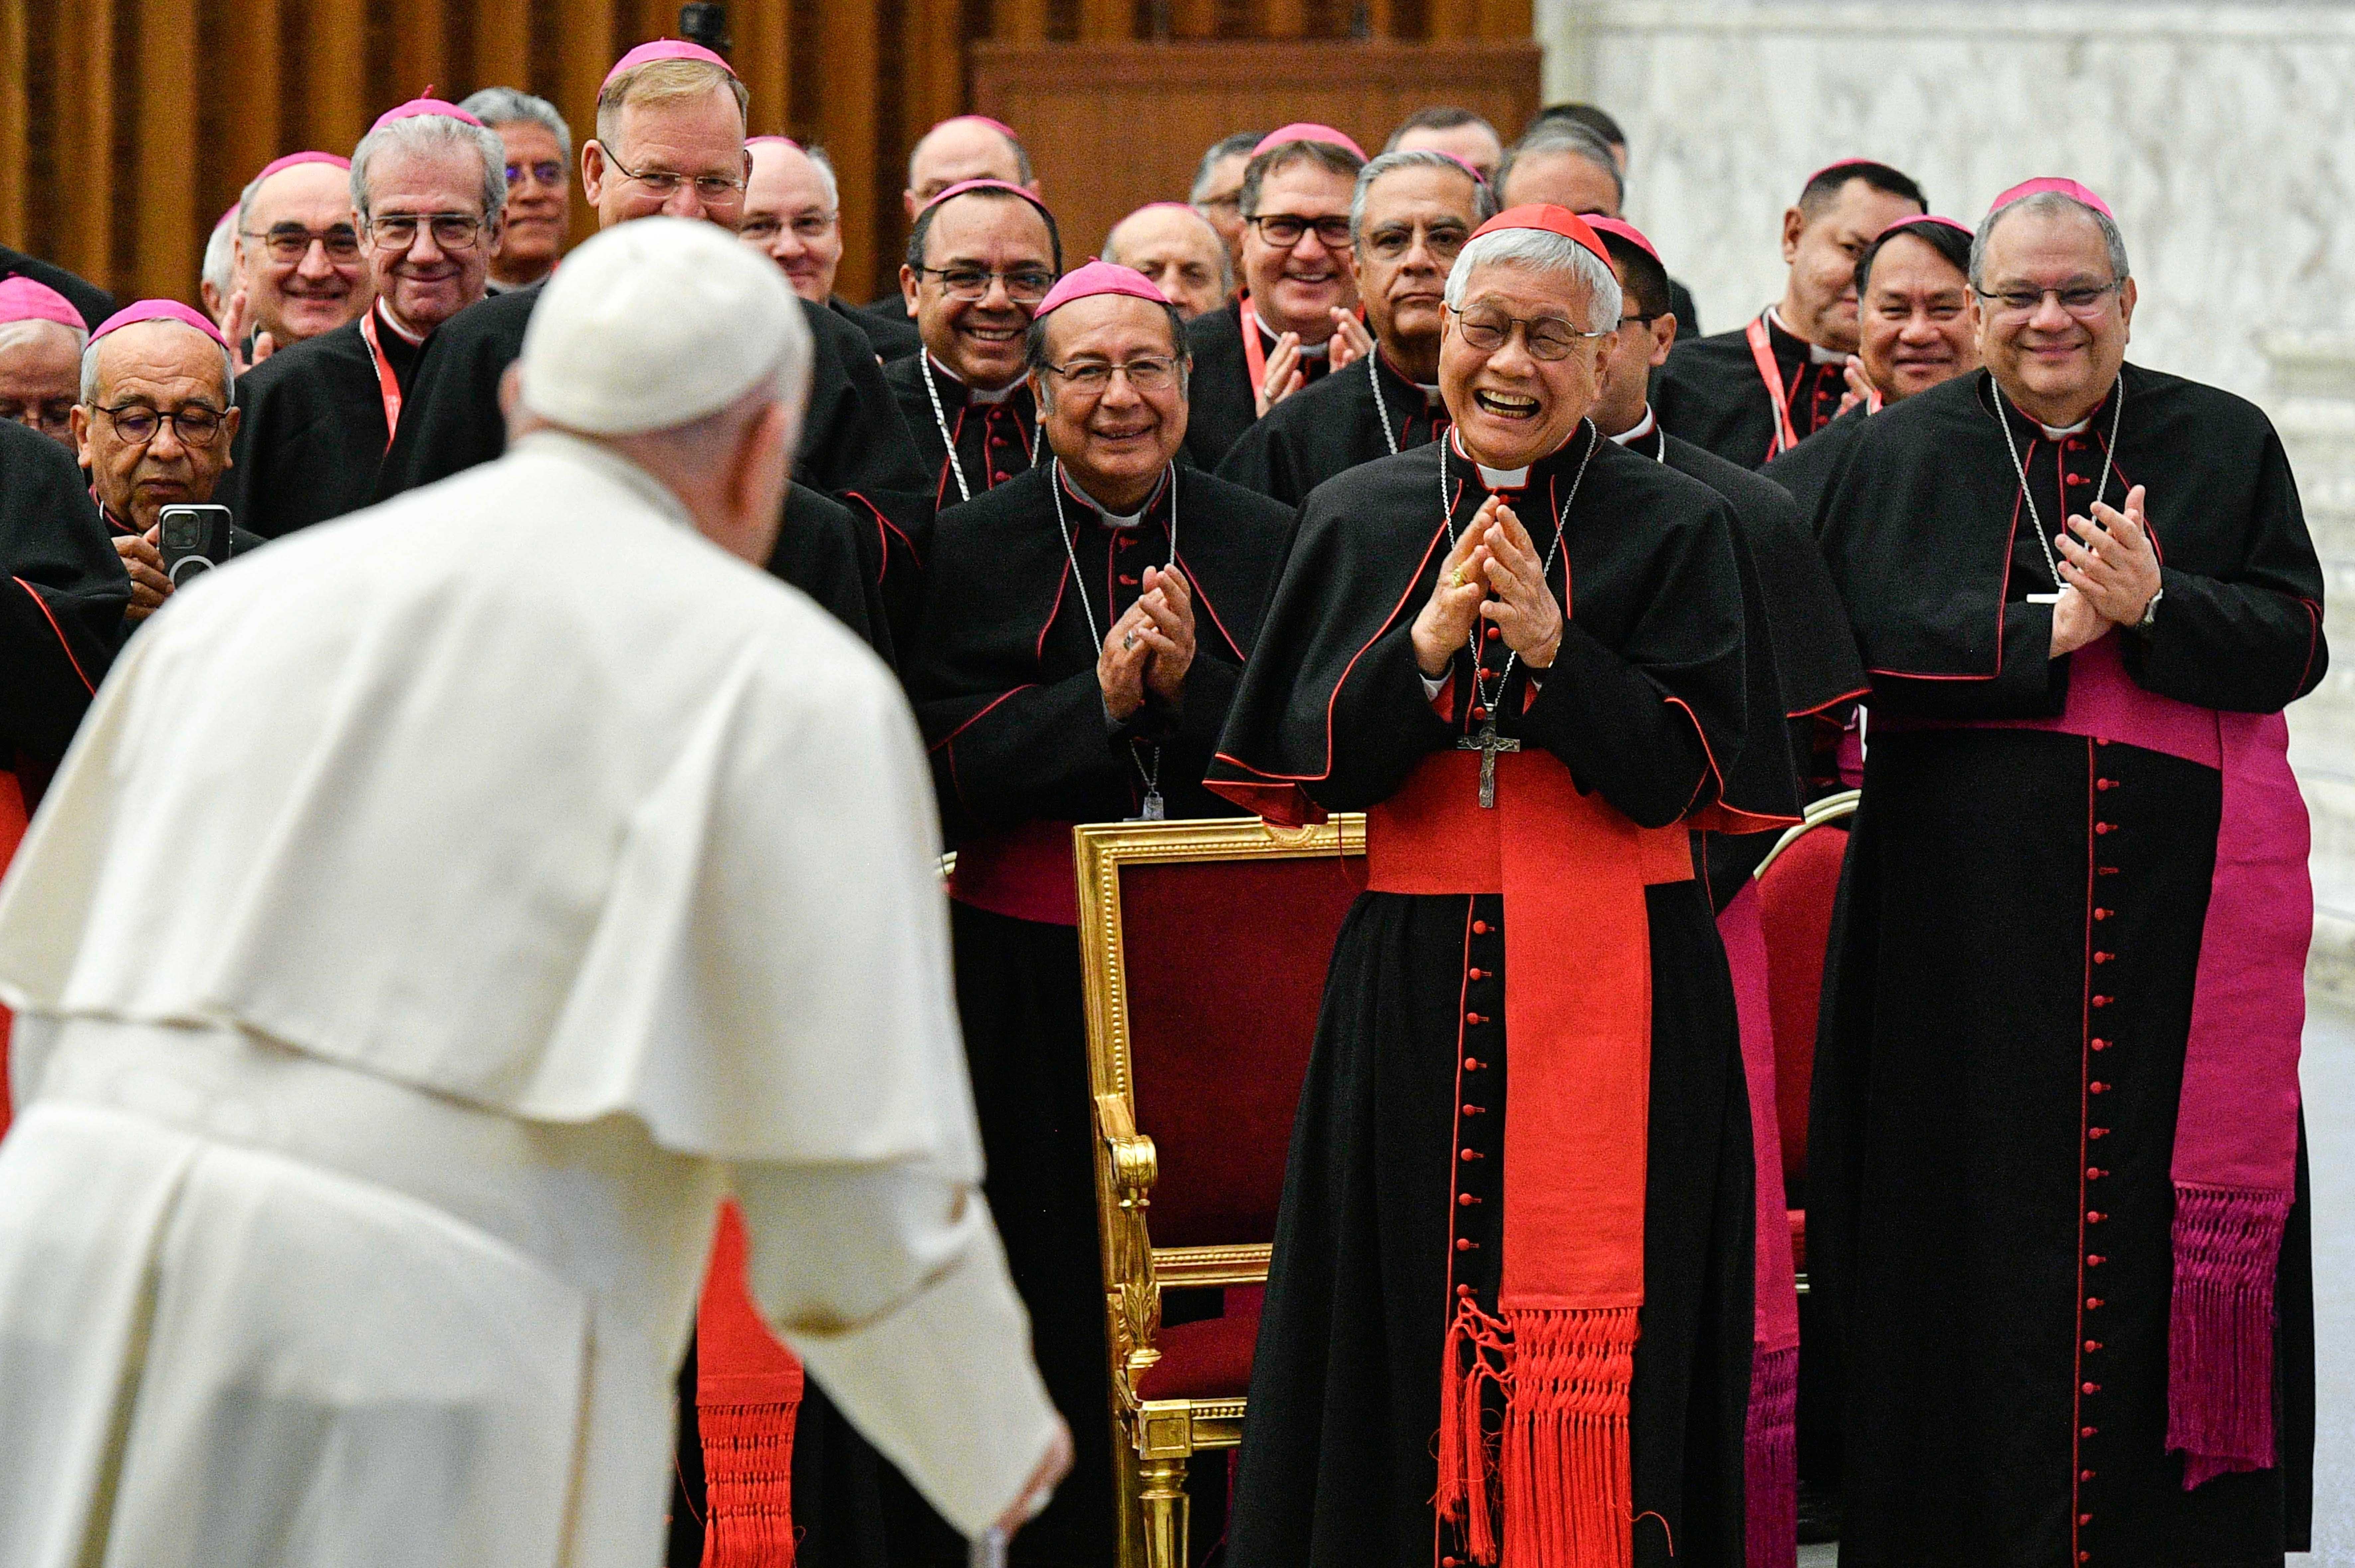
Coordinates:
438 913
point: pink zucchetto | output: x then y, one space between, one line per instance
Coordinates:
1307 131
158 311
772 141
295 160
22 300
1000 126
964 187
664 49
417 108
1918 221
1099 278
2066 187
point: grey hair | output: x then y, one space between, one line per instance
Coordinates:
14 333
817 154
90 367
1541 250
2049 204
219 267
498 106
1564 137
1484 200
429 133
1226 258
1241 143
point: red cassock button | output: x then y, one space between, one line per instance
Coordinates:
1466 1200
2101 1001
1467 1155
2092 1259
2101 914
1475 1019
2092 1345
2082 1431
1464 1244
2100 828
2097 1132
2098 1043
2098 1087
2095 1216
2103 958
2085 1519
2093 1303
1472 1063
1480 927
2106 783
1477 974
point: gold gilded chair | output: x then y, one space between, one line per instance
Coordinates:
1205 946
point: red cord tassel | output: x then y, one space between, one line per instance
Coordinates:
748 1471
1569 1492
2219 1329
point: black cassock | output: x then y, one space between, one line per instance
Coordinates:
993 442
1337 1467
1003 673
1331 427
1221 400
62 594
1806 470
892 337
94 303
313 430
1711 392
1983 1088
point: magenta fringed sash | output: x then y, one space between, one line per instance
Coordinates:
2236 1127
1771 1435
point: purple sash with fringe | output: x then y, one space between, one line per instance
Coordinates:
2236 1159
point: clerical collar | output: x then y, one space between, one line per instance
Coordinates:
1430 393
1114 520
1639 429
975 393
2062 432
1307 350
385 320
1493 478
1816 354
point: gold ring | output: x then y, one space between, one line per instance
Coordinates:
1455 578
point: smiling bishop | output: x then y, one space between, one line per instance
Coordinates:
1517 1211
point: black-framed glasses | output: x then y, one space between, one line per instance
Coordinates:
1284 230
1549 338
1093 378
2083 300
1024 285
546 171
1446 241
715 190
291 241
196 425
451 230
809 228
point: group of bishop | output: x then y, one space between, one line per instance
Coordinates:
1403 485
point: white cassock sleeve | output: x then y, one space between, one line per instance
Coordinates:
891 1287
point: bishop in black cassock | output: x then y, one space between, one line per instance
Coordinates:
1519 1184
2058 1205
1037 676
1418 209
62 594
1752 394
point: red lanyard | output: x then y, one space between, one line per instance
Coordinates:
386 384
1762 350
1254 351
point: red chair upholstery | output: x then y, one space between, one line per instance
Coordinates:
1210 1359
1796 890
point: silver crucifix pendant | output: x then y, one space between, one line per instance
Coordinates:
1487 743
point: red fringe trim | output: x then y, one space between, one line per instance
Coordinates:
748 1471
2219 1329
1771 1460
1559 1477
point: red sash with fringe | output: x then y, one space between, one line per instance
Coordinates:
748 1393
1556 1490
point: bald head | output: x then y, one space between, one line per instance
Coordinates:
298 297
791 216
1176 248
965 148
40 375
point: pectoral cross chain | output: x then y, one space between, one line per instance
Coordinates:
1487 743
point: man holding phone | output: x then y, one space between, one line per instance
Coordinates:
154 430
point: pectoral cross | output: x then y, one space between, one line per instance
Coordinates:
1487 743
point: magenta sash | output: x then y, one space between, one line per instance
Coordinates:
2235 1160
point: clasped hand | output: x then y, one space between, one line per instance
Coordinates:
1285 375
1150 647
1493 574
2109 573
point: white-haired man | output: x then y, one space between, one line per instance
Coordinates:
793 213
539 184
1523 1122
356 1212
1175 245
217 275
2057 1186
1411 214
428 183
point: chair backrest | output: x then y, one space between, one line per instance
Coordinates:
1206 946
1796 889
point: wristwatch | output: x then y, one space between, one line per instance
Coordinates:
2150 610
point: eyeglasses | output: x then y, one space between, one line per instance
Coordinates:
715 190
451 230
809 228
547 173
51 416
1284 230
1390 242
196 425
1093 378
1549 337
1024 285
291 241
2083 300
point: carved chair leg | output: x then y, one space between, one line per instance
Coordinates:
1162 1497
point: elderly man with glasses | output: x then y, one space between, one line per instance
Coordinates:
2062 1031
428 183
793 215
539 209
298 271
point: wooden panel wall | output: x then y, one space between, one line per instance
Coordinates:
127 126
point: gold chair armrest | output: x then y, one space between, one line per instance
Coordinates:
1134 1300
1135 1165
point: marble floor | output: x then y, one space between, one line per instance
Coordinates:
2330 1083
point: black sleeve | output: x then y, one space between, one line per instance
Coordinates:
1261 462
449 419
1048 751
62 593
2028 683
1382 724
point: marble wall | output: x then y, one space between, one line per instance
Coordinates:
2223 135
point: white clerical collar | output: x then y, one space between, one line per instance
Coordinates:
1307 350
2062 432
1816 354
976 394
1493 478
1639 429
1105 514
385 319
